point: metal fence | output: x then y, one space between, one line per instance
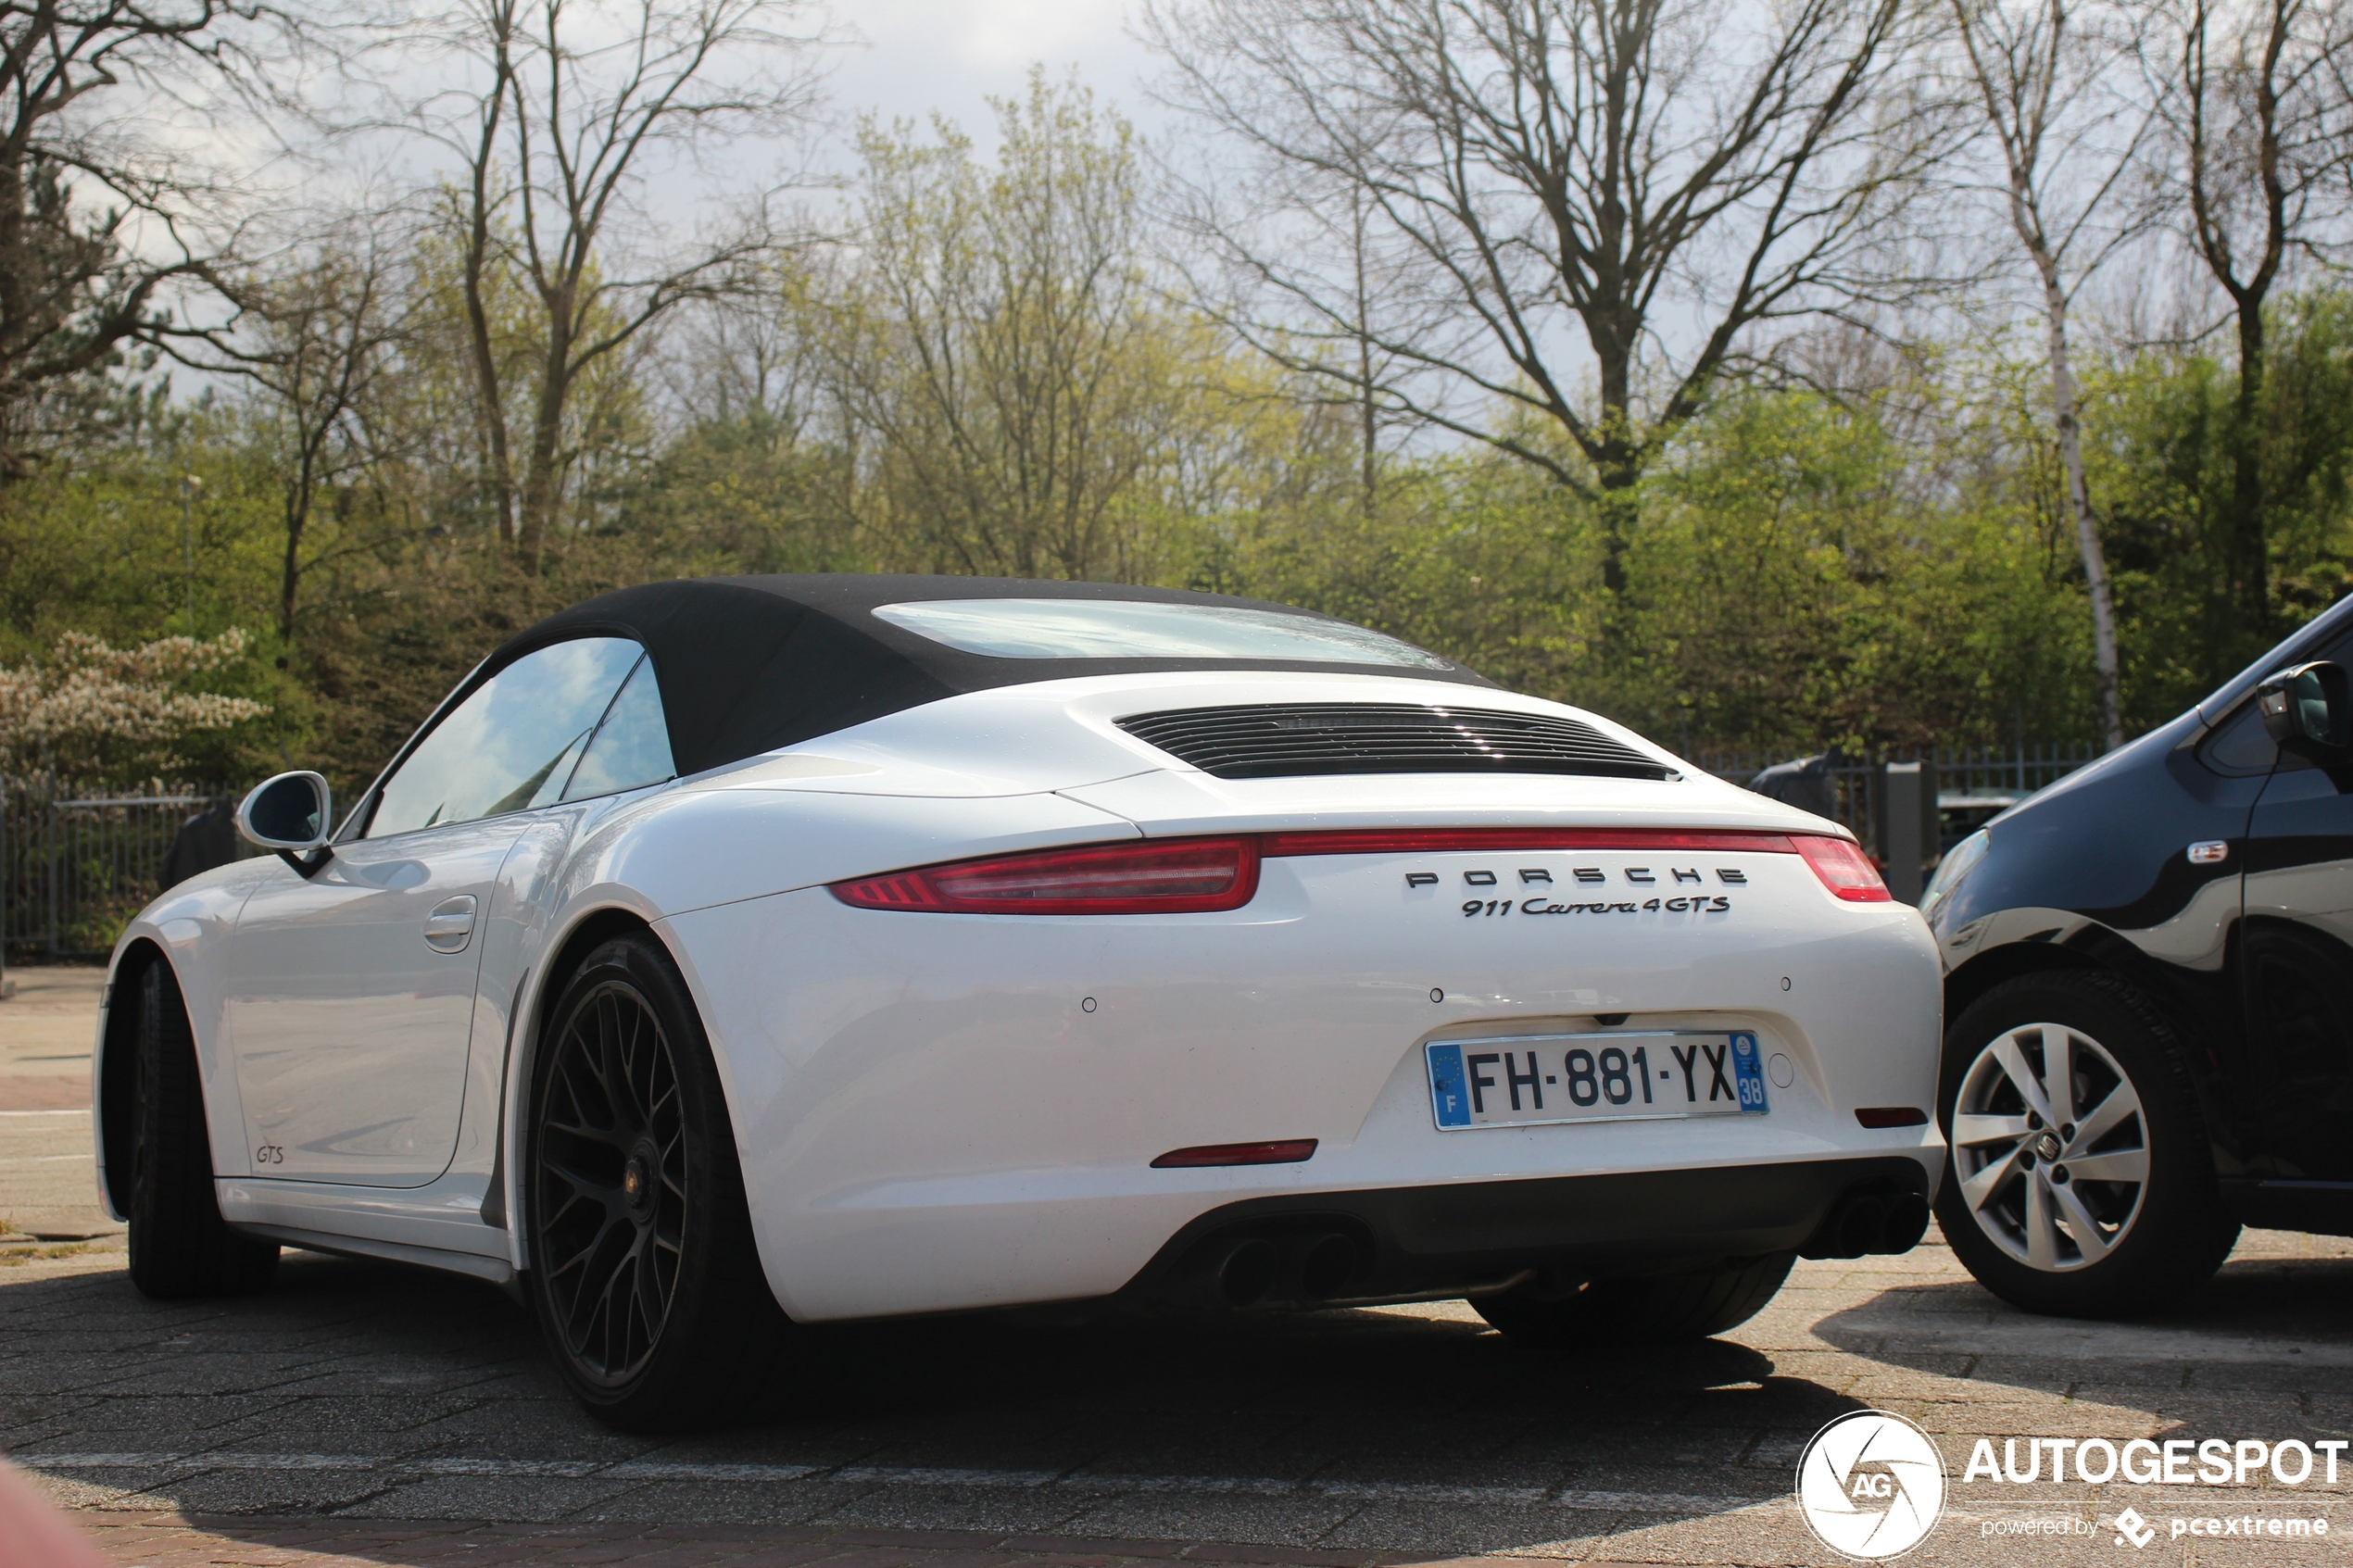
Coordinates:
1971 783
77 860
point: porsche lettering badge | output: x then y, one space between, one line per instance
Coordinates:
1644 878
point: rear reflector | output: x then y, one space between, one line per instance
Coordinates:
1176 876
1289 1151
1845 870
1892 1116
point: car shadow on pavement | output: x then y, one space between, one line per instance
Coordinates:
2281 1315
366 1390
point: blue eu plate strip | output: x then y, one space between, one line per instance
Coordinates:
1748 1070
1447 1093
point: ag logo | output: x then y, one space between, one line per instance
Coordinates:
1871 1485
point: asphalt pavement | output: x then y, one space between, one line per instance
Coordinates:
366 1412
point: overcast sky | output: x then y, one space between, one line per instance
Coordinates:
951 55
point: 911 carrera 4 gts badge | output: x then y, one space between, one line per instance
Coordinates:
1696 904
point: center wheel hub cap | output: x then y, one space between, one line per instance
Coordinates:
637 1182
2049 1147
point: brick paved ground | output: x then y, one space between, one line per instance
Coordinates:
365 1414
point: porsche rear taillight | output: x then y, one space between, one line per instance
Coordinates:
1448 841
1182 876
1190 875
1844 869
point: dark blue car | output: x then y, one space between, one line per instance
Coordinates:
2149 997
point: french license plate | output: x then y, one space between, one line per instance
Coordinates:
1533 1080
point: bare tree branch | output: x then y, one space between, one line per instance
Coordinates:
1544 175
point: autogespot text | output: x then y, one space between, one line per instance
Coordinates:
2181 1462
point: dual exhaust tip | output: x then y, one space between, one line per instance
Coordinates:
1312 1264
1251 1271
1867 1221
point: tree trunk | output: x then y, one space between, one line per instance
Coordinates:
2107 677
2250 585
1619 465
543 479
1365 362
490 411
297 516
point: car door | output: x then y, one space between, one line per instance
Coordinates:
350 994
630 751
2297 969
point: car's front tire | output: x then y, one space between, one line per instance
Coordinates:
643 1269
2079 1180
1604 1314
179 1245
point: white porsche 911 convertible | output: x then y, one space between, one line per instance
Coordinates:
728 955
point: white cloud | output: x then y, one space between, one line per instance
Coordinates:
951 57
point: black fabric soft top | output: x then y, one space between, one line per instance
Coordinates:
750 664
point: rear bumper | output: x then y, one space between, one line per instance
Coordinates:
1468 1238
940 1113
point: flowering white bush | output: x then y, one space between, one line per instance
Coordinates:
89 702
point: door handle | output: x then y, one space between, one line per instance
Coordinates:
451 925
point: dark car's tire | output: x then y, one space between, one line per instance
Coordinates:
643 1267
2019 1198
1612 1313
179 1245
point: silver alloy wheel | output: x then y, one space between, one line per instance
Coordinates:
2051 1146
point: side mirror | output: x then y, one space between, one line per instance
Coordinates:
2309 710
292 814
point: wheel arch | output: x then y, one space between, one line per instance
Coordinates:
2095 950
1964 986
503 1204
114 1077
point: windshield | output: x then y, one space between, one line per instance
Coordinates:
1129 629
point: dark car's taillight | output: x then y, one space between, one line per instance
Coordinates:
1181 876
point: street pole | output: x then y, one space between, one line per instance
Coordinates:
190 487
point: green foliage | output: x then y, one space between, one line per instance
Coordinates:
996 378
2163 438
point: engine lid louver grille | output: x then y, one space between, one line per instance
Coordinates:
1295 739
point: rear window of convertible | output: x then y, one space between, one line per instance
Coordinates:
1127 629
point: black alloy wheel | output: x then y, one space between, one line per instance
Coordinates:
179 1244
612 1182
643 1267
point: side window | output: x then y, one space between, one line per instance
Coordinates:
510 745
2240 744
632 746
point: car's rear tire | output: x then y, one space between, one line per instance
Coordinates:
179 1245
1694 1304
2018 1202
643 1267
